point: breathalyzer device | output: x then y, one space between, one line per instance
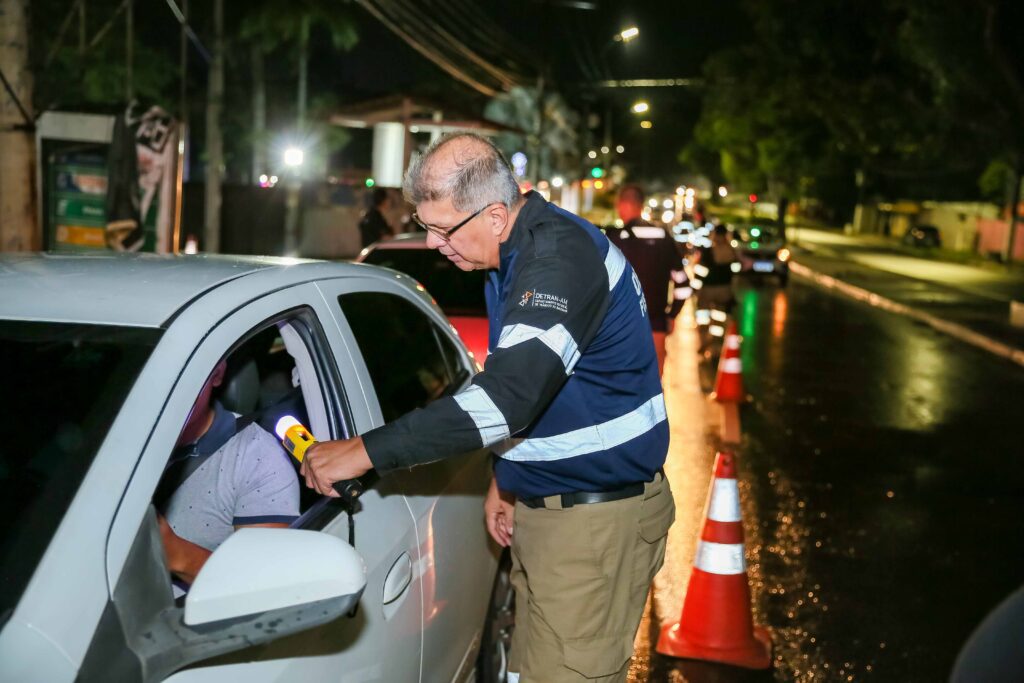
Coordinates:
296 439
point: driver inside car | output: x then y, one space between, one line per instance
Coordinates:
224 474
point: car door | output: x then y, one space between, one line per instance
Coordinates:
397 332
348 648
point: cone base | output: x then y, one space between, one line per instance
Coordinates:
754 654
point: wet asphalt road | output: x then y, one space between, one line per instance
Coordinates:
882 470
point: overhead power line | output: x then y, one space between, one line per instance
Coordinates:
443 62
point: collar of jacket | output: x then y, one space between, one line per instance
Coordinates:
532 210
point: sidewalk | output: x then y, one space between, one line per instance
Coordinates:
970 303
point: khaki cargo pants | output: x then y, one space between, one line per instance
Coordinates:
581 577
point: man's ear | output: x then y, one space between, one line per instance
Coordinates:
497 217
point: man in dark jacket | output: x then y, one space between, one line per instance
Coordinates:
373 227
657 261
573 377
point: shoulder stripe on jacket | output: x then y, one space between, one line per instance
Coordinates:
615 264
556 338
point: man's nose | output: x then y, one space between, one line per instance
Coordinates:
433 241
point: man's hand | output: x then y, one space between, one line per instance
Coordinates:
499 510
329 461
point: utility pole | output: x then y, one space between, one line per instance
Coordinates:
129 48
214 137
1011 231
18 229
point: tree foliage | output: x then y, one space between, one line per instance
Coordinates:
918 95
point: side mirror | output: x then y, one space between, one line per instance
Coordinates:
256 571
259 585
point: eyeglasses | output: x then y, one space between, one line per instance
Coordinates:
446 233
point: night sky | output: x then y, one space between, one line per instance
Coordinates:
675 38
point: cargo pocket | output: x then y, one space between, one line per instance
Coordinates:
656 516
598 656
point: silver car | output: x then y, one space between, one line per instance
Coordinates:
104 358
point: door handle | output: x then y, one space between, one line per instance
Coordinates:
398 579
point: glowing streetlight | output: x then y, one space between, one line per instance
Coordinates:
668 204
592 154
640 107
628 34
723 192
293 157
557 181
604 150
620 149
646 124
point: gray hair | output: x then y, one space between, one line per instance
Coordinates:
483 178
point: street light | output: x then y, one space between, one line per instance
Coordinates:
592 154
627 34
640 107
620 149
293 157
646 124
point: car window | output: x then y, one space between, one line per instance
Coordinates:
456 292
403 351
66 385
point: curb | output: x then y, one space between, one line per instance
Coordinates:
955 330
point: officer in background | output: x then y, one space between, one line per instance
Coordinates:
658 263
373 227
573 376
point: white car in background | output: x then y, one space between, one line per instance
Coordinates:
105 357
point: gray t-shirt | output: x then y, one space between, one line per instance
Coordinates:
248 480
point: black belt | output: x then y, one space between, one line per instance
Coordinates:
588 497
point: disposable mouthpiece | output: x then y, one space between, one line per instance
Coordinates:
284 424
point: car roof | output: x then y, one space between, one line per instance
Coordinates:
138 290
407 240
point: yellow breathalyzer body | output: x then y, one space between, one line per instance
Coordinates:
295 437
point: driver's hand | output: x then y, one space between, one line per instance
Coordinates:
499 511
328 462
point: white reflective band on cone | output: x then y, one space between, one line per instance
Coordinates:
720 316
703 317
725 501
732 341
720 558
732 365
717 330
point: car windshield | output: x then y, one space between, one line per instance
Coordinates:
456 292
64 383
759 233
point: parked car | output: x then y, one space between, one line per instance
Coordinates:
765 250
105 356
459 294
923 236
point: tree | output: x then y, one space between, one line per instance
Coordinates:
916 95
18 231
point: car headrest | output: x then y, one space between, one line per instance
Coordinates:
241 390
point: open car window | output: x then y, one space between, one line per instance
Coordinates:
410 361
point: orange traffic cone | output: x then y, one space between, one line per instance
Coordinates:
716 624
729 382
